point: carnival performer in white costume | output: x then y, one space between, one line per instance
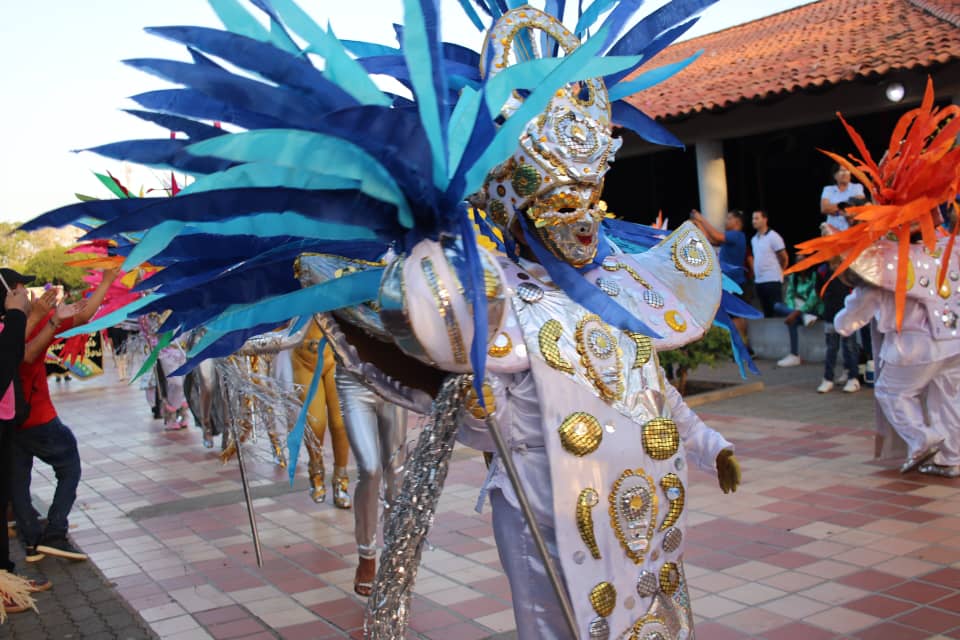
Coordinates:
556 332
920 360
172 402
908 270
599 438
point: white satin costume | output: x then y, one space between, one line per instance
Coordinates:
923 358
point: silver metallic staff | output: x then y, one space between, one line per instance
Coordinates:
534 527
246 494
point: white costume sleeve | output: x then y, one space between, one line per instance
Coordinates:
703 444
425 308
858 309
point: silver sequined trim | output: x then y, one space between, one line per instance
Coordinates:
529 292
646 584
599 629
608 286
672 539
653 298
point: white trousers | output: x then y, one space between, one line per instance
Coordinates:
899 390
535 606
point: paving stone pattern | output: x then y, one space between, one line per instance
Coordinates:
820 542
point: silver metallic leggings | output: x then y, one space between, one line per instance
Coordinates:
377 431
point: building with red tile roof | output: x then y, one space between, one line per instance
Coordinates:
812 47
763 96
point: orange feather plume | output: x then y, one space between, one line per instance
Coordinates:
919 171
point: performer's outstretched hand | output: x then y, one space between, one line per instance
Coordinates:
728 471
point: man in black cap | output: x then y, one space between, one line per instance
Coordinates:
43 435
14 306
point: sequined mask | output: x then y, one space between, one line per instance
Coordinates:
555 176
567 222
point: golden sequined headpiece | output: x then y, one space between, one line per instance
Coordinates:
565 151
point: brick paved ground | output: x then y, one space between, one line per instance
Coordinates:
820 542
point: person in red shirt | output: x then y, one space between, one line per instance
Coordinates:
44 436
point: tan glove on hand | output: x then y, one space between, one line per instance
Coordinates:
728 471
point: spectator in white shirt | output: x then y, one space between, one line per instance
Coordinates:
836 197
769 261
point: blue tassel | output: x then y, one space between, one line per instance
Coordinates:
295 437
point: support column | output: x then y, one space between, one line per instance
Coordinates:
712 181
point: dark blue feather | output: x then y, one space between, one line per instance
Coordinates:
165 152
333 206
196 131
194 104
295 108
262 58
223 347
628 116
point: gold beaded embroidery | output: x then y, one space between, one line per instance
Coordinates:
603 597
585 503
691 257
612 265
675 320
644 348
501 347
442 299
669 578
580 433
549 334
676 495
633 504
473 406
645 621
596 342
660 438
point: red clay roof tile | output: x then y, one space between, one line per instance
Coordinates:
817 44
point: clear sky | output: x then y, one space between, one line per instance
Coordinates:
64 84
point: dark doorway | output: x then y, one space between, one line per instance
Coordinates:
781 172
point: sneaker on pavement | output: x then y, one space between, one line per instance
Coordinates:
32 555
852 386
60 547
791 360
825 386
809 319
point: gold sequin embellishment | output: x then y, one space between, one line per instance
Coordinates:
549 334
580 433
644 348
600 356
501 347
442 299
633 512
473 406
585 503
692 256
603 597
675 320
676 495
660 438
669 578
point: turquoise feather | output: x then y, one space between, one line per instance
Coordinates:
340 68
649 78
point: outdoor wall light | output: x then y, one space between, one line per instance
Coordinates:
895 92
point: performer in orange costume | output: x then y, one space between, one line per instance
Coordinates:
324 410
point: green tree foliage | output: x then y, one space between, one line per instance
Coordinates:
713 347
41 253
50 265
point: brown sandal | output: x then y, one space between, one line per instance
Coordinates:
363 579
